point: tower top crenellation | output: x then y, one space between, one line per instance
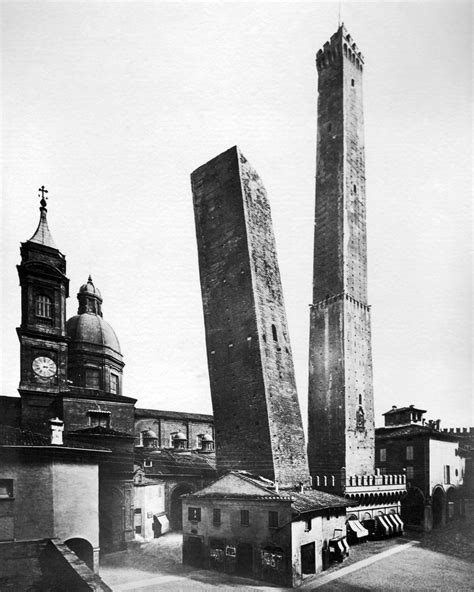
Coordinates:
340 44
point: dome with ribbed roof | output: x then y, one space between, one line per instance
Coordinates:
149 434
91 328
95 359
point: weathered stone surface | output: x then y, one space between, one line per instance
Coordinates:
256 411
341 416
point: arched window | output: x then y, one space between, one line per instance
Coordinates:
43 308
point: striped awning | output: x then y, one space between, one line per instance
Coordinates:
357 528
385 524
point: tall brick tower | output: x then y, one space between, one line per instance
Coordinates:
256 410
340 406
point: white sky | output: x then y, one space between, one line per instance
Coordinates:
111 105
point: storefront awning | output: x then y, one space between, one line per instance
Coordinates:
395 525
384 524
399 521
163 520
357 528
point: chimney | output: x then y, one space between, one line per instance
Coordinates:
57 428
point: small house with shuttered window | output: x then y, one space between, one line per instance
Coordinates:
243 524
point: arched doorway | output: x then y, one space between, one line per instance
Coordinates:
413 507
439 507
83 549
176 506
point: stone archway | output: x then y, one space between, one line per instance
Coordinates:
176 505
83 549
439 507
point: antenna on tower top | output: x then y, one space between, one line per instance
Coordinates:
339 16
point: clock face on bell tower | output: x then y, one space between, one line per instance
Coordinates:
44 289
44 367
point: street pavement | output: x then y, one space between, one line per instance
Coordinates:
426 562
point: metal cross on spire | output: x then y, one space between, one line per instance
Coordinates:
42 190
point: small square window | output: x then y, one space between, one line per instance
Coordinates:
273 519
216 517
194 514
307 525
147 463
244 518
99 419
6 488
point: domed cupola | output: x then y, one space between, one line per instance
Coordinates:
90 298
95 358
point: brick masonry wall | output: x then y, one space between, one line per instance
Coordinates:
256 411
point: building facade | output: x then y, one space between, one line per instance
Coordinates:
433 462
249 356
242 524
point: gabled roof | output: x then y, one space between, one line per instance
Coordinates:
241 485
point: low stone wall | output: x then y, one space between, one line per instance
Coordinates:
45 565
63 570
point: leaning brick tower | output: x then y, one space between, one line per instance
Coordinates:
256 410
340 405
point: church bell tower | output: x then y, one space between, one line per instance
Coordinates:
42 333
340 405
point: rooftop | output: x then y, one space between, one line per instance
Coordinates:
402 431
395 409
241 485
10 436
183 415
